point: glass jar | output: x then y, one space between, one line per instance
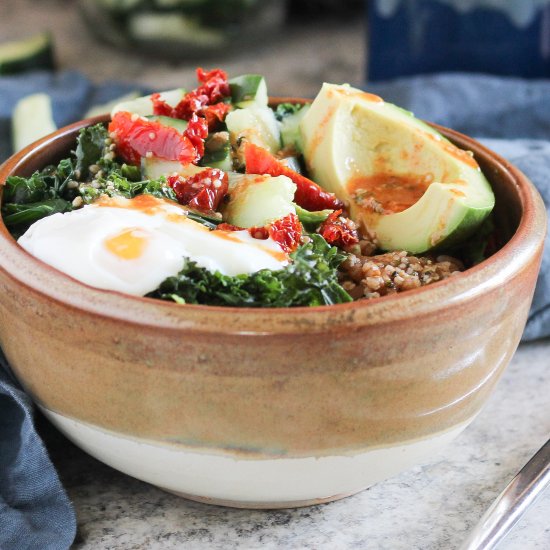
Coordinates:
176 28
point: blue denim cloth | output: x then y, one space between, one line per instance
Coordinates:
34 509
35 512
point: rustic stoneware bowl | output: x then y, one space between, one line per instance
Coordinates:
269 408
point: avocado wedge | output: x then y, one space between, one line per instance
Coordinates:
401 177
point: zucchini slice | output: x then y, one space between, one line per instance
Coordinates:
248 90
25 55
32 119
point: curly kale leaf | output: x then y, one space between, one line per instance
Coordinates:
23 215
311 279
91 146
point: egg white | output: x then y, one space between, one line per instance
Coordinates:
79 243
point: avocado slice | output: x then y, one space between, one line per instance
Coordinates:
401 177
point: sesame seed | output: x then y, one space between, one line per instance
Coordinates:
77 202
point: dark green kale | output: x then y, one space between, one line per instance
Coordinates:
22 216
26 200
286 109
92 148
311 279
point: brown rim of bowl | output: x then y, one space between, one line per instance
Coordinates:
527 241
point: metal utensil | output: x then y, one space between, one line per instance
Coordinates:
512 503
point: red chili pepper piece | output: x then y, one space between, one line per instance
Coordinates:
135 137
203 191
308 194
214 88
338 230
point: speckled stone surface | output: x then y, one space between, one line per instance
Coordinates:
430 507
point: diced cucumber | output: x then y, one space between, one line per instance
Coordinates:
177 123
153 168
290 129
32 119
104 108
248 90
259 200
25 55
155 26
143 105
217 152
255 124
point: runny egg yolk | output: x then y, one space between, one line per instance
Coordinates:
129 244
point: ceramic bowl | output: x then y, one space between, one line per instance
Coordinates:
269 408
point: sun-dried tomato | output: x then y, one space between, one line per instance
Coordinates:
215 114
338 230
160 107
197 132
308 194
136 137
214 88
286 232
203 191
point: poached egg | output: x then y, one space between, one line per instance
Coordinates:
132 245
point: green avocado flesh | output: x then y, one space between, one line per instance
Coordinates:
401 177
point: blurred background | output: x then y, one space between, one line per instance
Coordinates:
296 44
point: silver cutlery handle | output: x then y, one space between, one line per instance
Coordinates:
512 503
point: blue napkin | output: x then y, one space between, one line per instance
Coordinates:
34 509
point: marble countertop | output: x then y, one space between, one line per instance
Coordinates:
430 507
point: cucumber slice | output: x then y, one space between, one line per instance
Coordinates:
104 108
32 119
173 27
25 55
153 168
177 123
143 106
259 200
290 129
255 124
248 90
217 152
